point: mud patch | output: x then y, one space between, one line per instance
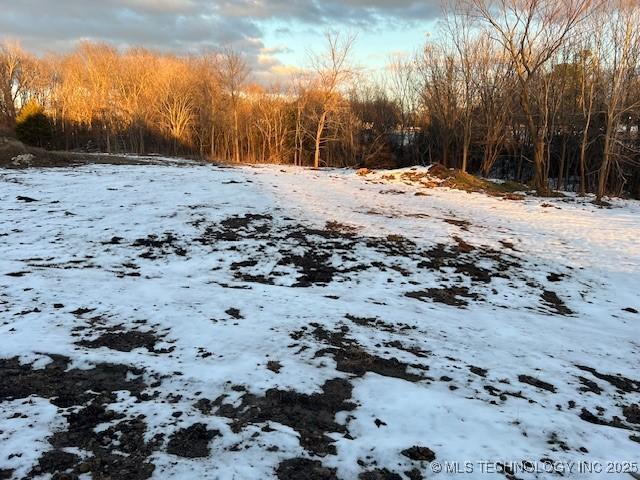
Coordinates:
589 386
304 469
315 268
448 296
157 247
356 361
353 359
66 388
536 383
462 224
616 422
632 413
124 341
118 451
379 474
419 454
235 229
192 442
312 416
335 253
378 324
555 303
6 474
623 384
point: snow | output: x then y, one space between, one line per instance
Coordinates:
58 250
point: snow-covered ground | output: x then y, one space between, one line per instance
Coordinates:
193 321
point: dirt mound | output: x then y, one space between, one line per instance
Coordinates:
15 154
454 178
11 148
440 176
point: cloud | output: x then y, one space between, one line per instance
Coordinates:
195 25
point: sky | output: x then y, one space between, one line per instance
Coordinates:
275 35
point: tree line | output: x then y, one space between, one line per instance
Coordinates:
542 91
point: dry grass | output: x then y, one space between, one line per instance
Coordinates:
454 178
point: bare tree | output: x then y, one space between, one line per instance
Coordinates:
494 84
440 96
332 71
588 76
531 32
232 74
459 30
404 91
11 80
620 52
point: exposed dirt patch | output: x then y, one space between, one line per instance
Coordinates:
352 358
632 413
315 268
376 323
589 386
463 224
555 277
551 300
623 384
449 296
234 313
312 416
481 372
421 454
236 228
65 388
15 154
341 228
6 474
192 442
465 259
124 341
157 247
537 383
414 474
17 274
321 256
304 469
379 474
117 452
356 361
274 366
616 422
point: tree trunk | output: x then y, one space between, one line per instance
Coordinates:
539 179
604 168
236 135
320 131
465 154
583 155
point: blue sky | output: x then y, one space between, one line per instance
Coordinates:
273 34
373 46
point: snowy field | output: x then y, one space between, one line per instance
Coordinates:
185 321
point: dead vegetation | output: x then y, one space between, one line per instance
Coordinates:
440 176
